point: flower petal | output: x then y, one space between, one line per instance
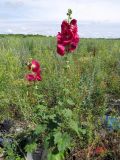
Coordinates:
35 66
60 49
30 77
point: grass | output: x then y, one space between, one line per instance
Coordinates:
77 84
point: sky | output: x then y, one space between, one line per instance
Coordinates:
44 16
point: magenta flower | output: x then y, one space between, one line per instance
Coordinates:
61 49
30 77
34 66
68 38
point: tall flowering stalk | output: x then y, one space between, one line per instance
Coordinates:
68 38
35 75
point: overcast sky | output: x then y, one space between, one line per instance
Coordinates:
55 10
47 10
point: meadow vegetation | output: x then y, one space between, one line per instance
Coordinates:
65 110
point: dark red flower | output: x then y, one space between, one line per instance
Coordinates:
59 38
73 26
100 150
68 38
30 77
73 22
60 49
72 47
38 76
65 26
34 66
76 38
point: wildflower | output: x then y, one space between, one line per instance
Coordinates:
100 150
34 66
68 38
38 76
30 77
61 49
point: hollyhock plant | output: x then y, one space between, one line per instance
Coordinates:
38 76
68 38
34 66
30 77
33 77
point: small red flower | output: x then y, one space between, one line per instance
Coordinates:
34 66
100 150
38 77
30 77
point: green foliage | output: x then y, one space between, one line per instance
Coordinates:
31 147
10 150
62 141
63 109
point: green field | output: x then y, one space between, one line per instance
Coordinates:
63 110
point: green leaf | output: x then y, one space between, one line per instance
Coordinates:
67 113
62 141
57 137
40 129
66 91
41 107
31 147
83 131
74 126
70 102
59 156
60 103
38 95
